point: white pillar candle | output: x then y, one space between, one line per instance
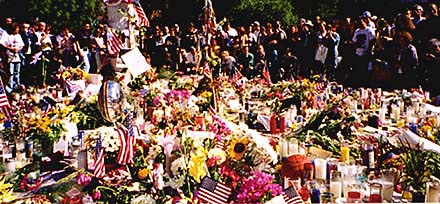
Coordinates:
382 113
293 147
10 165
387 191
320 169
336 189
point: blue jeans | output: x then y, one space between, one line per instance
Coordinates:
14 79
86 60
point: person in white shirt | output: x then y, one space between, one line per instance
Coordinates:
367 17
192 59
363 39
13 43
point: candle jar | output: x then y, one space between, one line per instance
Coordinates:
320 169
353 194
10 165
432 192
327 198
345 152
375 193
388 178
336 184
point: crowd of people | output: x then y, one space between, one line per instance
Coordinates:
401 51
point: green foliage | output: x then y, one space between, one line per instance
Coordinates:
66 12
312 8
247 11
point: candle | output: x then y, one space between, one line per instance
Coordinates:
336 188
388 191
82 159
10 165
345 153
293 147
320 169
432 192
284 148
382 113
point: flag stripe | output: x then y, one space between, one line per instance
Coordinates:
208 195
213 192
266 75
141 17
207 70
4 102
99 160
114 44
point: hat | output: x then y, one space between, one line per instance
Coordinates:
256 23
366 14
309 23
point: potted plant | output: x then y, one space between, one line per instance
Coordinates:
418 166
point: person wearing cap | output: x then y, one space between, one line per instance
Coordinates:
370 23
256 30
418 14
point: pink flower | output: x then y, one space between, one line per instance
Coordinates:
83 179
96 195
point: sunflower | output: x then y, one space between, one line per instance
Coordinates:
238 148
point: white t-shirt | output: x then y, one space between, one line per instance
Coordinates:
363 36
15 41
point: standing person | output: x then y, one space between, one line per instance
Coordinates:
431 67
29 48
227 64
84 37
407 62
331 41
428 28
246 61
363 39
366 16
40 32
192 60
13 44
69 46
418 14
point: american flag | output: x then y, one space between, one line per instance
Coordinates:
211 191
291 196
72 87
207 70
320 86
266 74
237 76
99 160
142 19
114 44
127 138
3 97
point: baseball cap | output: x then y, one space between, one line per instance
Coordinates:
366 14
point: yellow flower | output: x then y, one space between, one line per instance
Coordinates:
197 164
238 148
143 173
65 75
432 121
6 193
426 128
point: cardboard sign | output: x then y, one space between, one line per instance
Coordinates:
135 62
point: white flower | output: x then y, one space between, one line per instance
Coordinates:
154 151
176 182
177 165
